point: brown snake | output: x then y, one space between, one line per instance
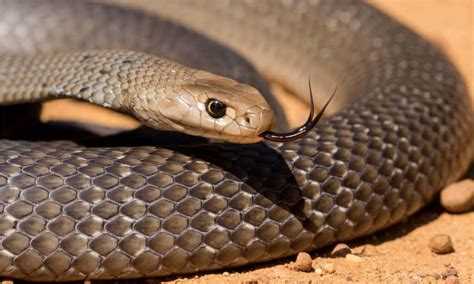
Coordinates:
403 129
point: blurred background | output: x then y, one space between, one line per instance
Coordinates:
447 23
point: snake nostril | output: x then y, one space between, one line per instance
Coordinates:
247 119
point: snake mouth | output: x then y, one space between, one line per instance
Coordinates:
303 129
217 136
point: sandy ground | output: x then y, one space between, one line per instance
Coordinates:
396 255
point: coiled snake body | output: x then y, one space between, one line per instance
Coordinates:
69 212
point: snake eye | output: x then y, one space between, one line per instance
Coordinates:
215 108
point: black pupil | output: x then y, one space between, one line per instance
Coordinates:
215 108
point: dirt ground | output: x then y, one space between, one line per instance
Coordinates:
399 254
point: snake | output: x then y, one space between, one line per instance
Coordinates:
400 129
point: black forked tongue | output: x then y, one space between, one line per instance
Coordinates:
302 130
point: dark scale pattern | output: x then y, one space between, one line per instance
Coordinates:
155 211
68 212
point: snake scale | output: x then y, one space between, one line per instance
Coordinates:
401 130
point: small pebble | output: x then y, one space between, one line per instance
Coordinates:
354 258
416 279
329 268
441 244
451 280
458 197
340 250
303 262
318 271
358 250
252 281
315 264
225 273
450 271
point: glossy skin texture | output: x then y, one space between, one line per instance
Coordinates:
124 212
162 94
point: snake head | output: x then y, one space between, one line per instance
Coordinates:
210 106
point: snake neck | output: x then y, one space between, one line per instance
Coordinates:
115 79
162 94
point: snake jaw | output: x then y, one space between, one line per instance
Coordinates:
303 129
